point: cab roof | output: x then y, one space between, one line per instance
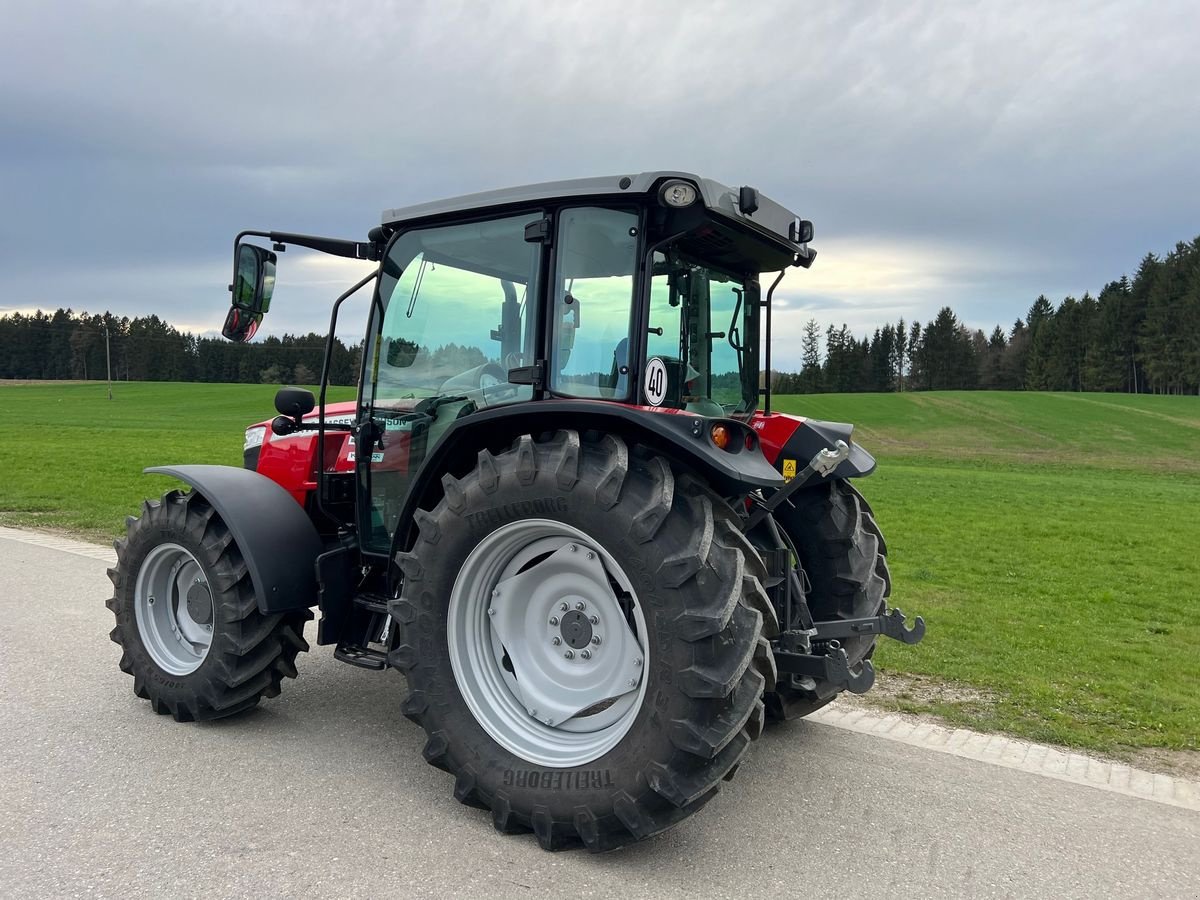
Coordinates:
762 214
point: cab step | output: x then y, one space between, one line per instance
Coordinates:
363 657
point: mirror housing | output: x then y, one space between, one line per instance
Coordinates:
253 284
294 402
800 231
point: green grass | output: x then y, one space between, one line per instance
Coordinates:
73 460
1051 541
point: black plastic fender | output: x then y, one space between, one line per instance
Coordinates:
813 436
273 533
684 437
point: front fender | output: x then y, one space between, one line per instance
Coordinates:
274 534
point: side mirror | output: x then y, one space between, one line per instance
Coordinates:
253 284
294 402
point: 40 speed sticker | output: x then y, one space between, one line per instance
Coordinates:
656 381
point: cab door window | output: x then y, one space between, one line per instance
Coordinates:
592 303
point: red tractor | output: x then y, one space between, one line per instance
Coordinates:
561 506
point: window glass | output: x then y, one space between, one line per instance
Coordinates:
709 335
593 302
454 318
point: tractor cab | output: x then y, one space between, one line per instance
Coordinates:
641 291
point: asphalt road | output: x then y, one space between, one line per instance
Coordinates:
323 792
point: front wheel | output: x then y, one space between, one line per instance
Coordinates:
582 640
188 622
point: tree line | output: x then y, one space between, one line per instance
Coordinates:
1138 335
68 345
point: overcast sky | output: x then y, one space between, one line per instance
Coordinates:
970 154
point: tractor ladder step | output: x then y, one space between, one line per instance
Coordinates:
363 657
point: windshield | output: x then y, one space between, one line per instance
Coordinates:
704 333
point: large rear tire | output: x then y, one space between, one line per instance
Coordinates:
633 548
188 622
844 556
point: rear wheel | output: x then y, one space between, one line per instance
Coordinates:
582 639
843 554
188 622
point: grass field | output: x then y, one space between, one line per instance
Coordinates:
1051 541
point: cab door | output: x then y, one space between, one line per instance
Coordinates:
455 311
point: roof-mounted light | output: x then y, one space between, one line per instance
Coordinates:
677 194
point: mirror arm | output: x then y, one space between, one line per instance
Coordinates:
334 246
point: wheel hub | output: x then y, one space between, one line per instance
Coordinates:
576 630
199 603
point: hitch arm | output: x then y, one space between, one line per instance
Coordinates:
891 624
832 667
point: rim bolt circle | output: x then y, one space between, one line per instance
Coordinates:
570 654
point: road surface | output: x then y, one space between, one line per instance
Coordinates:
323 792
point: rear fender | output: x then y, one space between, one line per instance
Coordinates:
682 437
790 442
275 536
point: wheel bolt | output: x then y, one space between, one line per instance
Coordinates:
633 682
595 620
581 605
554 620
496 592
596 639
638 662
586 654
591 555
533 712
151 601
563 607
556 641
574 548
491 612
570 654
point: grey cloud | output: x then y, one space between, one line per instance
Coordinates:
1047 144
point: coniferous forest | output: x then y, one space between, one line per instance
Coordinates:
1138 335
